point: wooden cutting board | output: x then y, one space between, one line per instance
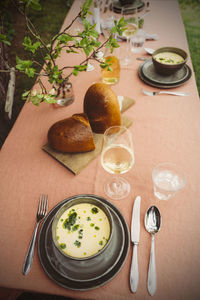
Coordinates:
76 162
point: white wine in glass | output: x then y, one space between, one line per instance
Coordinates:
117 157
131 29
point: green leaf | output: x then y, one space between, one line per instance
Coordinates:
32 47
30 72
34 4
4 40
22 65
85 8
25 95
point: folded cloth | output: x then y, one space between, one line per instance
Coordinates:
148 36
152 36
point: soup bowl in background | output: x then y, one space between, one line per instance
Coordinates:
70 205
126 2
164 68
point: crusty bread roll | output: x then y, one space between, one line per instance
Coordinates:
73 135
102 107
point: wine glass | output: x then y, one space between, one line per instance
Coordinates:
131 29
117 157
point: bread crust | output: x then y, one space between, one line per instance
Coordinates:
72 135
102 107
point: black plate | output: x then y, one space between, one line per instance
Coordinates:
150 73
166 82
84 275
130 9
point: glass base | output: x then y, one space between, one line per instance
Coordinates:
117 188
110 80
65 101
125 61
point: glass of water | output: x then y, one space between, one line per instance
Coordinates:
117 157
168 179
137 41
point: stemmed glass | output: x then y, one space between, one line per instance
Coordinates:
131 29
117 157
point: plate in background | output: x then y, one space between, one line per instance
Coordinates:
150 73
163 84
131 8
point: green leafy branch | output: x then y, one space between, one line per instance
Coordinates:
84 41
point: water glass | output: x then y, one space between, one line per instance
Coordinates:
168 179
137 41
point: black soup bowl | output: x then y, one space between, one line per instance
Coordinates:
168 66
82 223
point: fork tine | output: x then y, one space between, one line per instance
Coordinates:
46 206
43 205
40 204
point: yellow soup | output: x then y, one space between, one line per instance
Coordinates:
169 58
82 230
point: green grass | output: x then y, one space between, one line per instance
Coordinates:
190 11
49 20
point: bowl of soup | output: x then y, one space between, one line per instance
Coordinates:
82 228
168 60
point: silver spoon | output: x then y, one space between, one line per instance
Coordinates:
152 223
149 50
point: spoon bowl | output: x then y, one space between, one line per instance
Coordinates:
152 220
149 50
152 224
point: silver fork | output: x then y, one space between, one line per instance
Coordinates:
41 213
154 93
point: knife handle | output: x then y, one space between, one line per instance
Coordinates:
134 273
152 278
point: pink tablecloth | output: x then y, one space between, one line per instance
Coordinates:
165 128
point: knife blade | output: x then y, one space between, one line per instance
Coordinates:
135 238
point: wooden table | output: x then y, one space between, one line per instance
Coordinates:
165 128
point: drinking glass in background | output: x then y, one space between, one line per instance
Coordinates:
111 74
117 157
168 179
137 41
131 29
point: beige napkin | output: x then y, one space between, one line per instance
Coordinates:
76 162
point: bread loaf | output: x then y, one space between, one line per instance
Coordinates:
73 134
102 107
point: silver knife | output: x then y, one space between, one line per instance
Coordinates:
135 237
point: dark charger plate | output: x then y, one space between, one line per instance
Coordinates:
148 74
92 273
129 9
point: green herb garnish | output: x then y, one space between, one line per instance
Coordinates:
62 245
77 244
96 227
80 234
94 210
70 221
75 227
